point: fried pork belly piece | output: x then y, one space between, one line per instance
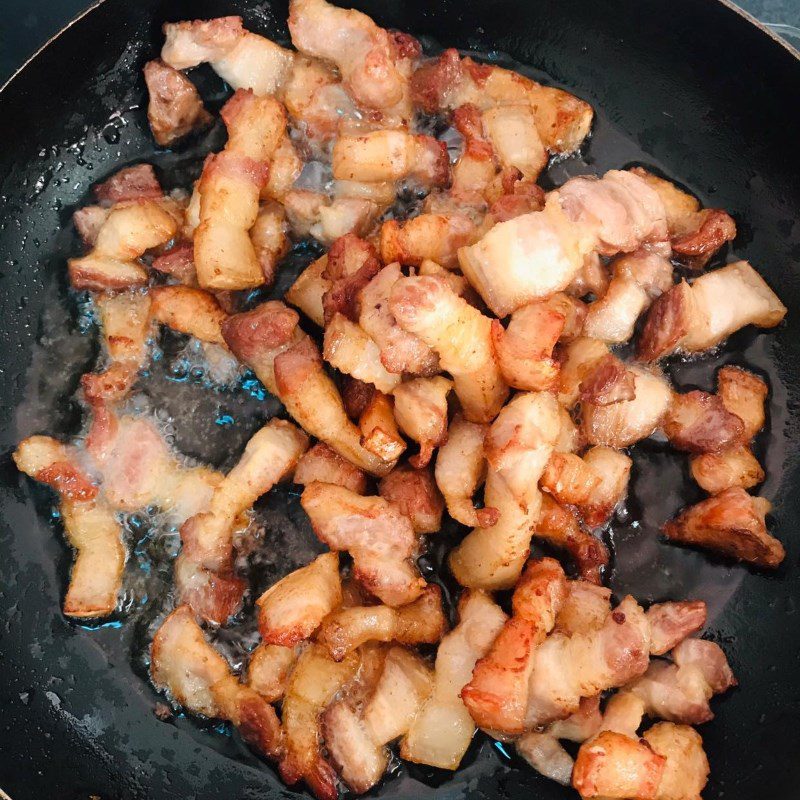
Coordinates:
415 493
128 184
400 351
460 334
518 447
229 188
476 168
699 422
314 682
311 397
621 424
90 525
744 395
428 236
569 479
613 765
497 694
512 131
378 427
680 690
284 170
374 64
269 238
695 234
524 350
390 155
88 221
420 622
292 609
188 310
546 755
309 288
269 668
125 326
614 469
378 537
534 255
420 408
256 337
442 730
567 668
460 470
351 264
325 465
178 262
404 685
449 81
686 770
199 678
670 623
579 359
559 527
130 229
638 279
585 608
693 318
326 219
731 523
188 44
175 109
350 350
204 570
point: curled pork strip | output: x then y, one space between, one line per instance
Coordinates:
415 494
461 469
380 539
314 682
130 229
693 318
567 668
200 679
420 408
731 523
449 81
292 609
401 351
90 525
189 310
269 668
680 690
518 446
375 65
204 569
429 236
420 622
497 694
323 464
379 432
460 334
174 109
442 730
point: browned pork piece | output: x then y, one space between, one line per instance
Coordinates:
350 265
292 609
323 464
309 288
375 65
742 394
380 539
695 234
420 408
189 310
379 432
699 423
693 318
225 256
461 469
269 668
534 255
174 109
731 523
200 679
449 81
204 570
427 237
518 447
442 730
497 694
420 622
460 334
90 525
415 494
328 218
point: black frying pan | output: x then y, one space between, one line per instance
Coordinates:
687 86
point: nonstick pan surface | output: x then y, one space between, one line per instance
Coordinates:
689 87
